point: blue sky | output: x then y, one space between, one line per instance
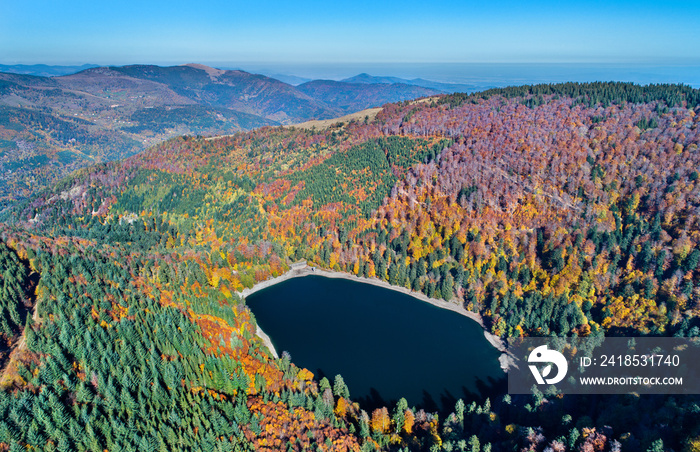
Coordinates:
225 32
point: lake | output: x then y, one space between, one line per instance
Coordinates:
384 343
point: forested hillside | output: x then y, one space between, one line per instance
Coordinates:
51 126
549 210
351 97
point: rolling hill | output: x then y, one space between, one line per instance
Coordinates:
50 126
351 97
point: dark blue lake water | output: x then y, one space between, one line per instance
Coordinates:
385 344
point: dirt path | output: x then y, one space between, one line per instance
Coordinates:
20 343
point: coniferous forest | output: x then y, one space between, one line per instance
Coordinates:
549 210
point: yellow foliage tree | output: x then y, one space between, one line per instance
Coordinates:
408 420
381 420
341 407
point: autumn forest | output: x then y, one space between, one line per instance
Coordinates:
548 210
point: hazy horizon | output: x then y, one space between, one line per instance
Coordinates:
469 42
479 75
496 74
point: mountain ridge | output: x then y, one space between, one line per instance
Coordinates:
446 88
43 70
128 108
351 97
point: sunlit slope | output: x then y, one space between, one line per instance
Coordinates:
564 209
546 209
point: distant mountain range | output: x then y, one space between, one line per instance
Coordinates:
43 70
52 125
351 97
447 88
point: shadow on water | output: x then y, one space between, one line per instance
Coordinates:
373 400
385 344
485 388
491 388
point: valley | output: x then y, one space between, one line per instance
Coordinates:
51 126
547 210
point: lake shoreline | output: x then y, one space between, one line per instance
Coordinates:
266 340
299 271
